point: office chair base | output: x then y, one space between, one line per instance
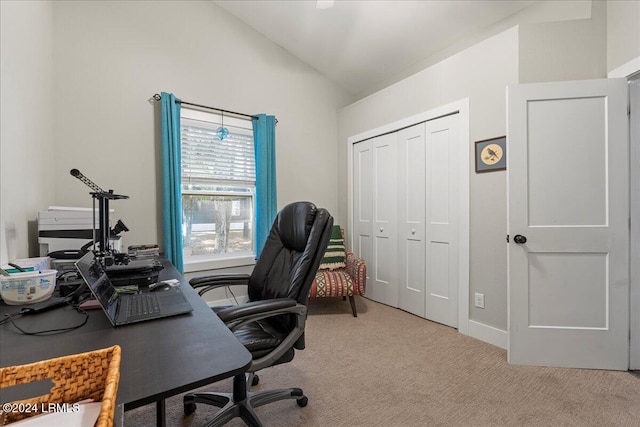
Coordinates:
240 403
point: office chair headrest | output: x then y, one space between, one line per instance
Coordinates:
294 234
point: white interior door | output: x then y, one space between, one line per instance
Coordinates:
411 219
385 237
442 222
568 195
362 244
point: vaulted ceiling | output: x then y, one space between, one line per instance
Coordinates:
360 44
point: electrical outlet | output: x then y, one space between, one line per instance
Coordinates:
479 300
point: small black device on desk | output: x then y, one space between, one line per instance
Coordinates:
141 272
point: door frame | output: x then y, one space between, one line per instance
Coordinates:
460 107
631 71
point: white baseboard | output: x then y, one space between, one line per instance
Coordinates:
489 334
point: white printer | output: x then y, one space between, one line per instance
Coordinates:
68 228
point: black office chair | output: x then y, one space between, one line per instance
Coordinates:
271 324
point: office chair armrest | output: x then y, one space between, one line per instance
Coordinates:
256 310
218 281
237 316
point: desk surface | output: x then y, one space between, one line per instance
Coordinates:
160 358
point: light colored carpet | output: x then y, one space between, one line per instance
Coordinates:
389 368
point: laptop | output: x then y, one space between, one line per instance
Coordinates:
123 309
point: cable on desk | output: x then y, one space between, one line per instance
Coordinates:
10 319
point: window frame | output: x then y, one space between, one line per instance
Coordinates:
219 261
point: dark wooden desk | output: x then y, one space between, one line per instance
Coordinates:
160 358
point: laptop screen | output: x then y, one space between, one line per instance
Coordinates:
96 278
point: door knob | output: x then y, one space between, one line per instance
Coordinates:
413 231
519 239
381 229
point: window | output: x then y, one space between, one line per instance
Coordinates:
218 187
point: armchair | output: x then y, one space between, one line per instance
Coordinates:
347 280
271 325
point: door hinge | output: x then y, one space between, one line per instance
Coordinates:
507 238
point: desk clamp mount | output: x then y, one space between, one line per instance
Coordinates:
105 253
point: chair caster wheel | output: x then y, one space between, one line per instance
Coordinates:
255 380
302 402
189 408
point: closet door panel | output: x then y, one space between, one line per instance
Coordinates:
363 206
438 270
385 285
442 222
438 167
411 219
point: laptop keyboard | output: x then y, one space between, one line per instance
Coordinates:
142 304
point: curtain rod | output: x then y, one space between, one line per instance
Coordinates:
158 98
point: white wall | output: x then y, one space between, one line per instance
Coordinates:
623 32
111 57
565 50
26 123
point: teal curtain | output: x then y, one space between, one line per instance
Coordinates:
171 171
264 136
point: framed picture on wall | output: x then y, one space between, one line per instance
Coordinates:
491 154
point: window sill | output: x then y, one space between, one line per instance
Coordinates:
194 265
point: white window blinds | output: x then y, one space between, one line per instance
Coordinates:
209 162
